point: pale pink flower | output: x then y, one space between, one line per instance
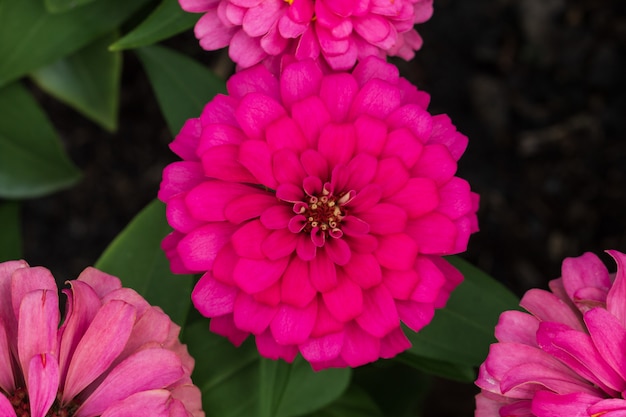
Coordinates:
113 355
340 31
318 208
568 356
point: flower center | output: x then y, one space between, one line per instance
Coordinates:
324 213
21 405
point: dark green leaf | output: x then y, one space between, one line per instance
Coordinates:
32 161
454 371
167 20
462 331
135 256
182 86
353 403
237 382
10 237
88 80
60 6
30 37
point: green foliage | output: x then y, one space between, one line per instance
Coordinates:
167 20
32 161
60 6
10 237
135 256
353 403
31 37
88 80
182 86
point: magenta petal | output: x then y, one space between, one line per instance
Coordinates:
385 218
213 298
338 251
7 380
359 347
43 383
178 177
299 81
418 197
284 133
225 326
257 79
337 143
276 217
323 273
400 283
371 135
305 248
364 269
267 346
208 200
379 315
434 233
248 238
415 315
244 50
101 344
178 215
153 403
311 116
548 404
287 167
391 176
293 325
224 265
145 370
432 281
615 298
338 91
547 307
252 316
324 348
296 288
397 251
257 158
608 336
254 275
345 301
436 163
222 162
394 343
376 98
6 408
279 243
199 248
248 207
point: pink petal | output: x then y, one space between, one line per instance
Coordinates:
323 348
608 336
258 19
292 325
278 244
208 200
345 301
365 199
267 346
415 315
6 408
300 80
326 322
394 343
305 248
416 119
615 298
224 265
257 158
244 50
284 133
216 134
338 251
199 248
269 296
103 341
445 133
153 403
222 162
43 383
213 298
338 91
311 116
254 275
432 281
434 234
376 98
385 218
154 326
248 238
379 315
276 217
435 163
397 251
400 283
371 134
225 326
337 143
455 198
547 307
101 282
186 142
364 269
359 347
25 280
314 164
249 206
255 112
375 68
296 287
7 380
220 110
178 215
178 177
253 80
517 327
212 32
402 144
145 370
251 316
547 404
323 274
287 167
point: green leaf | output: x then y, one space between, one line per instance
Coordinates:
60 6
462 331
167 20
10 238
353 403
88 80
30 37
182 86
453 371
135 256
32 161
237 382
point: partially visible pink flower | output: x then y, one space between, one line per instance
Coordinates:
340 31
568 356
318 208
113 355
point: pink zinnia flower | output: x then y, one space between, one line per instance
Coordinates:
341 31
113 355
318 208
568 356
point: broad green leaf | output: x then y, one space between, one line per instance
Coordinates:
167 20
10 237
88 80
237 382
31 37
135 256
462 331
182 86
60 6
353 403
32 161
448 370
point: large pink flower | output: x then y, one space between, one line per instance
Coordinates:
568 356
318 208
341 31
114 354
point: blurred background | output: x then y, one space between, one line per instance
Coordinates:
539 87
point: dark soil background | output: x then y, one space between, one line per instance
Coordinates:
538 86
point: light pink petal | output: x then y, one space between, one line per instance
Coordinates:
43 383
434 233
178 177
323 273
145 370
311 115
248 238
284 133
324 348
103 341
222 162
608 336
394 343
273 43
397 251
376 98
248 207
258 19
38 321
547 404
6 408
251 316
199 248
244 50
225 326
292 325
364 269
615 298
391 176
517 327
296 287
547 307
257 158
154 326
299 81
583 272
213 298
152 403
7 380
359 347
267 346
379 315
254 275
338 91
191 396
212 32
345 301
385 218
25 280
208 200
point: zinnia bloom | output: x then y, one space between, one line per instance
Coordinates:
568 356
114 354
341 31
318 208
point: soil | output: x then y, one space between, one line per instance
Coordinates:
537 85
